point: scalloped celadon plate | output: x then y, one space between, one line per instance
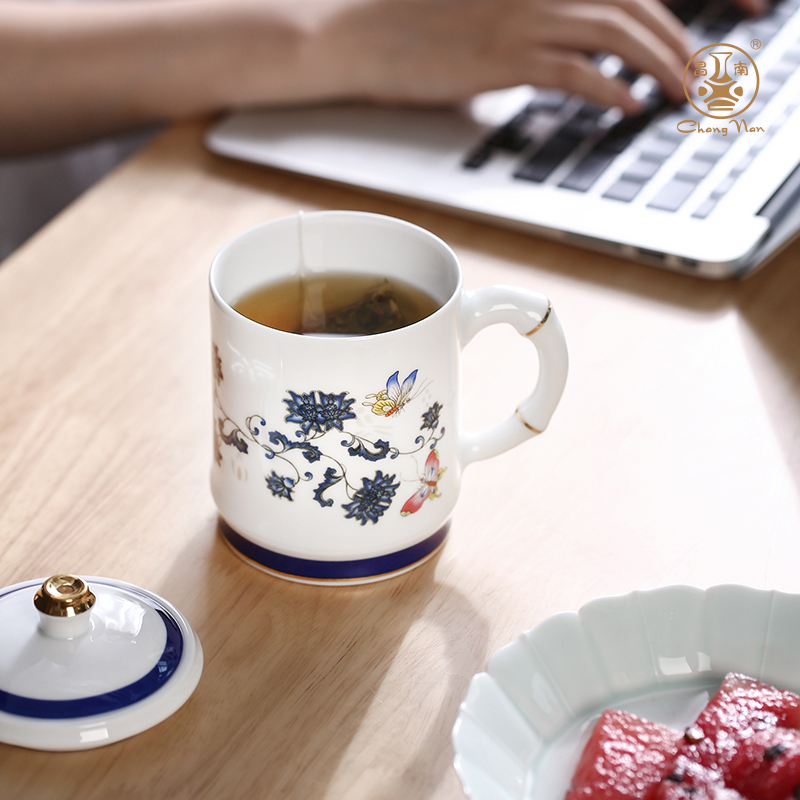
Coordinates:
660 654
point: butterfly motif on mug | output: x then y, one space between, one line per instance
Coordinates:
430 480
390 400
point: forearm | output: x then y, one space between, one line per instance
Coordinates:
72 71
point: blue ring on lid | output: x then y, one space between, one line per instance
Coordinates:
114 700
356 569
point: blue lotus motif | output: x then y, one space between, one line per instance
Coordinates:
372 499
430 418
280 486
304 411
333 409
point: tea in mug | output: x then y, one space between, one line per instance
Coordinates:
336 303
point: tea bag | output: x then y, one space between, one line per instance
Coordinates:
373 310
376 311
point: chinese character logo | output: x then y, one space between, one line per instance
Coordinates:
729 82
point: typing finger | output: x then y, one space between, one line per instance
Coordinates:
577 74
593 28
655 17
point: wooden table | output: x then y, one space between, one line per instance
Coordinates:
673 458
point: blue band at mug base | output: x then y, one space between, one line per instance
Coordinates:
358 570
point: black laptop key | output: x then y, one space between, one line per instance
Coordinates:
512 137
477 158
613 142
539 167
587 170
672 195
618 137
584 123
509 138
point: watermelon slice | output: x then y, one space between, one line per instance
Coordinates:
624 758
741 707
766 766
743 746
690 780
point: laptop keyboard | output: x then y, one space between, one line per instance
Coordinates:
588 139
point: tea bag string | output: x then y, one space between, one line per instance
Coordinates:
312 317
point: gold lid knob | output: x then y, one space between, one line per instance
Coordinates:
64 596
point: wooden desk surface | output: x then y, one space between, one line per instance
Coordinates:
673 458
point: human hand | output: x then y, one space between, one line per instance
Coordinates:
434 51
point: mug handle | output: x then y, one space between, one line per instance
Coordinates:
532 316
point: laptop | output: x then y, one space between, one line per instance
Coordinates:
703 188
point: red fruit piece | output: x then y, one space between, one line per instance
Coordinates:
691 781
741 707
766 766
624 758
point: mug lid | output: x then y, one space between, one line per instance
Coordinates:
87 662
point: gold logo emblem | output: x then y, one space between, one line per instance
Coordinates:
728 82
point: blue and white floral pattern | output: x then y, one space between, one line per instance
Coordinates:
316 415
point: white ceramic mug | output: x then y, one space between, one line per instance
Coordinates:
339 459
